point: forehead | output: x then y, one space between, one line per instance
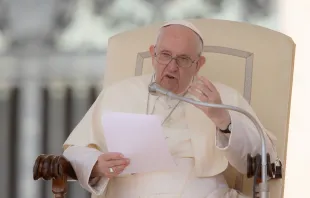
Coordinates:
178 40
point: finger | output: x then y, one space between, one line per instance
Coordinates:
109 175
198 94
119 162
208 83
112 156
204 89
116 171
119 169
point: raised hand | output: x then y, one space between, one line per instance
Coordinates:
205 91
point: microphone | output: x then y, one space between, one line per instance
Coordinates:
155 89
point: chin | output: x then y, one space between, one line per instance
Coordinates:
173 89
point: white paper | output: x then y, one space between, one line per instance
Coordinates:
140 138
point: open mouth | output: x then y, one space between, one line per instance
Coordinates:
170 76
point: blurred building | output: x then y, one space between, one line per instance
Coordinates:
52 59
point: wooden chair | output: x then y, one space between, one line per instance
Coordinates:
256 61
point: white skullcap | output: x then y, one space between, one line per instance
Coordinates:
185 24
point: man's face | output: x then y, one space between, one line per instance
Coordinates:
183 44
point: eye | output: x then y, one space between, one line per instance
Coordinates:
165 54
184 59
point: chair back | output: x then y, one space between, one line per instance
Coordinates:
256 61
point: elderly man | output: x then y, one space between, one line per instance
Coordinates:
202 140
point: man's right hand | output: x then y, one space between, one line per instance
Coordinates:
110 165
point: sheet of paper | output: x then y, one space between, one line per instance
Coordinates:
140 138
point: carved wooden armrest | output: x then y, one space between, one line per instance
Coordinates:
56 168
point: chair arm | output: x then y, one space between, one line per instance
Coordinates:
254 168
56 168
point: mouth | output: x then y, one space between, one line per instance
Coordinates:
170 76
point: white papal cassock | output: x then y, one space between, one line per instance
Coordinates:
201 152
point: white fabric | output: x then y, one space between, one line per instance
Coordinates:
83 160
182 181
190 138
186 24
126 187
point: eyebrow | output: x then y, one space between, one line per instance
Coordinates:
188 56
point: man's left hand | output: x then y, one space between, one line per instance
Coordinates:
205 91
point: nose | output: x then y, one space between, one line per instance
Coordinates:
172 66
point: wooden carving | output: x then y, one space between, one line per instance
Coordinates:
56 168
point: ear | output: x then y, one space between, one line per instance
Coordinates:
152 52
200 63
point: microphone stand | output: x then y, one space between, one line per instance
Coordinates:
263 186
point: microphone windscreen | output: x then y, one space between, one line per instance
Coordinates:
153 88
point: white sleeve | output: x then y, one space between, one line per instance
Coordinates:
83 160
244 139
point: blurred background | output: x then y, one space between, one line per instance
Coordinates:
52 60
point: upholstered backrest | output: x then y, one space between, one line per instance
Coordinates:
256 61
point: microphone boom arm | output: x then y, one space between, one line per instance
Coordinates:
264 190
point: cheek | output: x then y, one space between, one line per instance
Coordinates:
154 63
159 69
188 73
186 77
